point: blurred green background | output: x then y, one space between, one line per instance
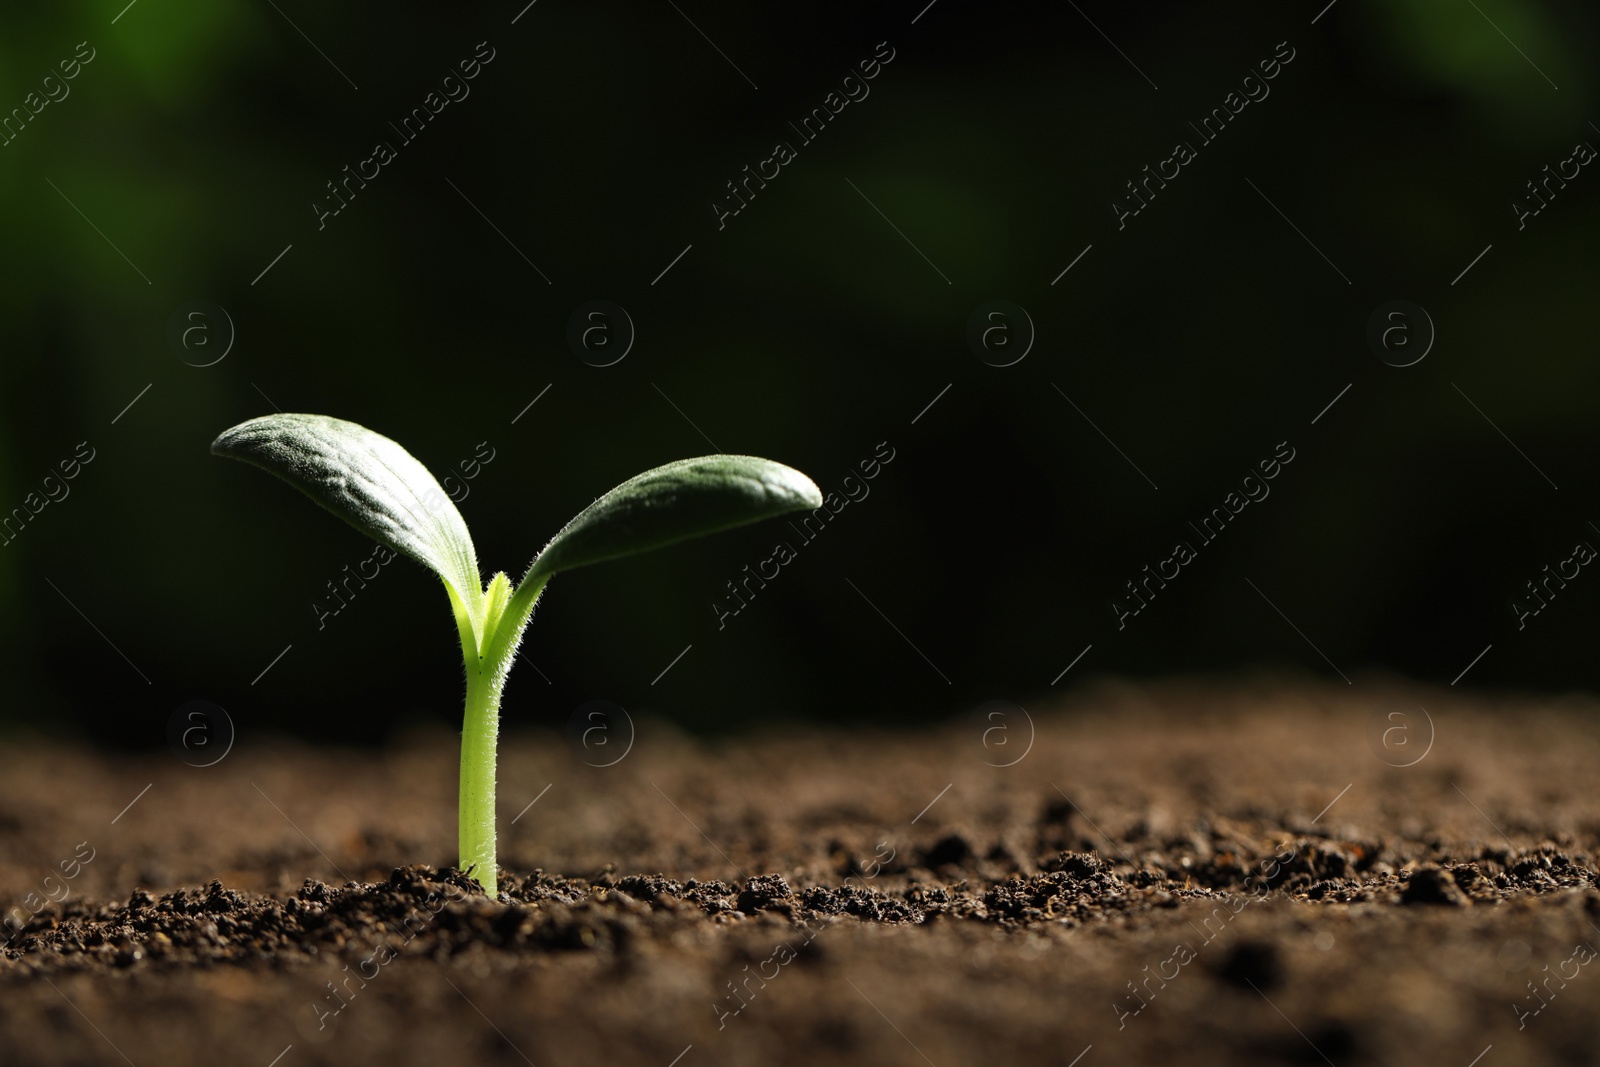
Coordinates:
818 323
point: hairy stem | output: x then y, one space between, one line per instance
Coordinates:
480 730
487 668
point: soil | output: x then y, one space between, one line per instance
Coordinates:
1188 873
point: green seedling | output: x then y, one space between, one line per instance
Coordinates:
383 491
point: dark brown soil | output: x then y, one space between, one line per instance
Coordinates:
1160 877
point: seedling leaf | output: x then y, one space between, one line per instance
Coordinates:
671 503
373 484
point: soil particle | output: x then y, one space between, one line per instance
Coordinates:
1433 885
765 891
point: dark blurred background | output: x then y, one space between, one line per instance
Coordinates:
819 322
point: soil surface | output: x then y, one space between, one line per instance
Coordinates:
1258 873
